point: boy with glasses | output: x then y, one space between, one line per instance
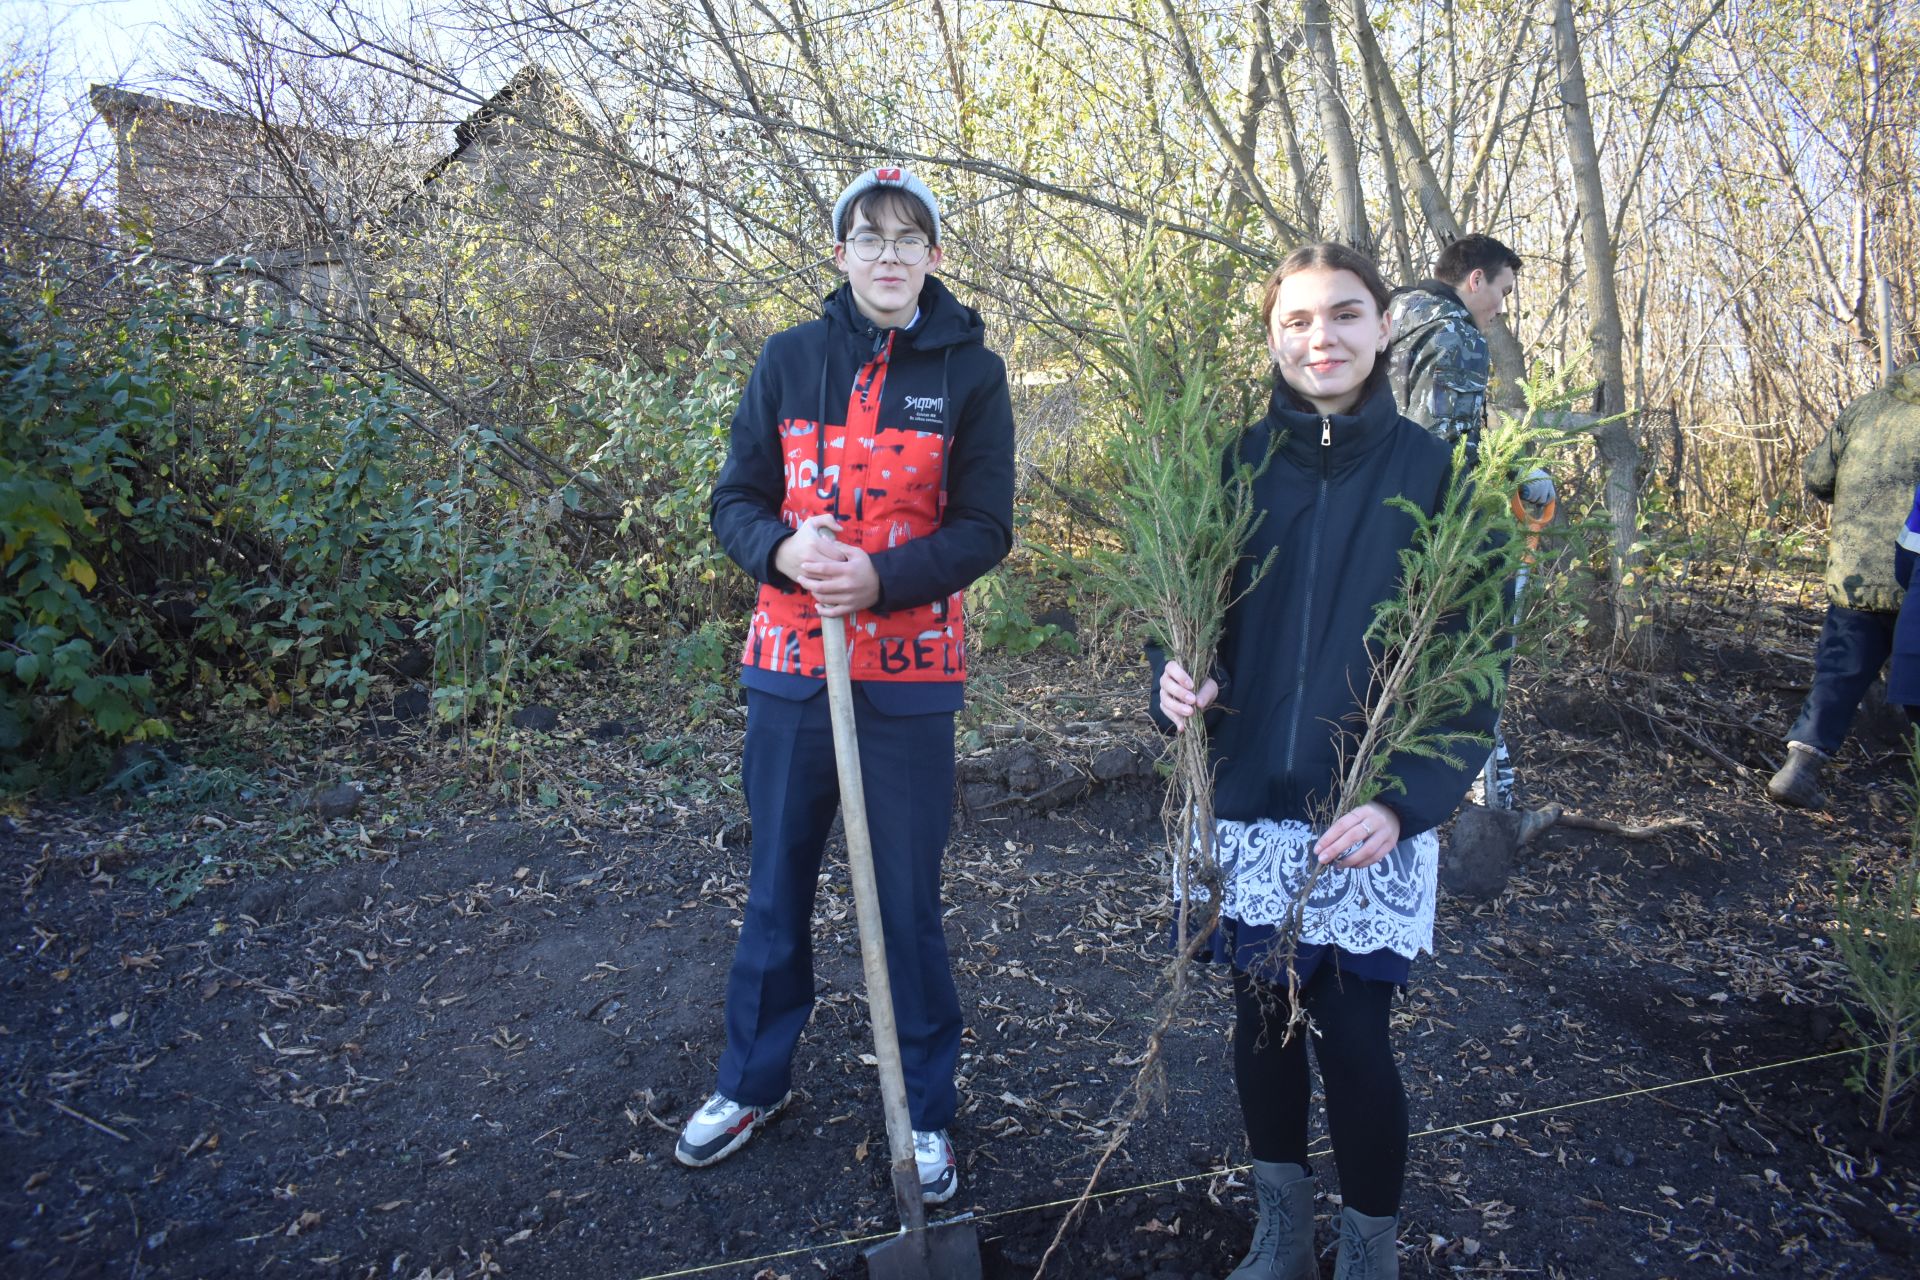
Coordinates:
887 422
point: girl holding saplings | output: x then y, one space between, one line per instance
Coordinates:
1293 668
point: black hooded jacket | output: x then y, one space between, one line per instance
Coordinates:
1292 662
940 375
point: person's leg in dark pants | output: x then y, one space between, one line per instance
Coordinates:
1854 646
787 771
906 766
1270 1071
1366 1101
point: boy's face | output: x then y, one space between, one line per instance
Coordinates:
1486 296
886 290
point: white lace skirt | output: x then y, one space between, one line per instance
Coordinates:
1264 864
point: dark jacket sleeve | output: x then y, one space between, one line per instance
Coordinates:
744 510
1430 788
977 530
1446 388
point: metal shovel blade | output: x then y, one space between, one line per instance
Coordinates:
947 1250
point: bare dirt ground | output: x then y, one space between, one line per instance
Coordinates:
463 1053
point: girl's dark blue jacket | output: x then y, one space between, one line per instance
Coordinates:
1293 663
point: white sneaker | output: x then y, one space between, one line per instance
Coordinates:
939 1176
720 1128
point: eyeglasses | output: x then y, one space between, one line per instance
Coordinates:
908 249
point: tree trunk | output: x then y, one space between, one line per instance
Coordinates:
1276 61
1496 122
1343 157
1509 362
1613 439
1253 97
1247 177
1372 71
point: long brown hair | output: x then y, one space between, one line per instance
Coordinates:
1324 255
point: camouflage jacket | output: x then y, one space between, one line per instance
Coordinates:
1438 362
1867 468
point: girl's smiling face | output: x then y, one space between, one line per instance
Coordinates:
1325 333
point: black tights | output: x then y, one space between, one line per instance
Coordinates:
1366 1103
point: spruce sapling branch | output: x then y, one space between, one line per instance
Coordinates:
1877 933
1181 518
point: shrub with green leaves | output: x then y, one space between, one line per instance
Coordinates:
1000 616
75 430
659 438
178 443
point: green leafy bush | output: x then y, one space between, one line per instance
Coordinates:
74 430
1000 616
660 437
179 443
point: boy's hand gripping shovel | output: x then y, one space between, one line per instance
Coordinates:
945 1250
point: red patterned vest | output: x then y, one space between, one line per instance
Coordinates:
885 483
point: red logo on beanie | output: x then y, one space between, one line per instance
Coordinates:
886 175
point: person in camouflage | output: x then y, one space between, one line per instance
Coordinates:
1440 366
1866 468
1438 361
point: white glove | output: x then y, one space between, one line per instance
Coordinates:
1536 489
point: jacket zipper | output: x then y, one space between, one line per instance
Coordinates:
865 384
1306 607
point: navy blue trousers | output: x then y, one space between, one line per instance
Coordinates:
1854 645
793 793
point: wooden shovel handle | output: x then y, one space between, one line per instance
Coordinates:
866 908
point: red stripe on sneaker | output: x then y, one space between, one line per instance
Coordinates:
744 1121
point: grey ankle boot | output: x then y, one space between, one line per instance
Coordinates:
1369 1247
1798 782
1283 1233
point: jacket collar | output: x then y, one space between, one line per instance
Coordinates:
1444 291
944 320
1300 428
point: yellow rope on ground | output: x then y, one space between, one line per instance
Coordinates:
855 1241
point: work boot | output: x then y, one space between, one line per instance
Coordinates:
1283 1233
1369 1247
1798 782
